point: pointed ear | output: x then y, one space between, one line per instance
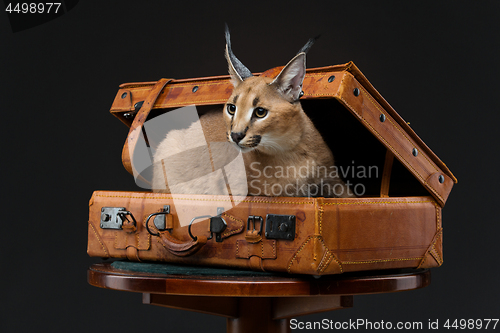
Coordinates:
237 70
235 77
289 81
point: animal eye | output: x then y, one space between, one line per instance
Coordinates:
260 112
231 109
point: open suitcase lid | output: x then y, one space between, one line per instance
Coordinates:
344 82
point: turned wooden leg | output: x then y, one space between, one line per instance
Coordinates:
252 314
256 315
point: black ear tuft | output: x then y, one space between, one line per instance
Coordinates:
308 45
238 66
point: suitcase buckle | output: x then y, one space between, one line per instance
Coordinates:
253 235
253 219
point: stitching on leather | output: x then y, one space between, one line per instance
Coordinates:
377 202
379 260
143 85
203 82
438 217
299 250
167 104
395 151
161 243
434 253
237 230
388 144
250 255
432 247
324 263
320 213
338 263
99 239
148 244
388 117
440 262
302 248
332 257
200 83
216 200
223 101
423 260
322 268
328 263
190 103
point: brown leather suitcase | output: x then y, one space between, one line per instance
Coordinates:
396 223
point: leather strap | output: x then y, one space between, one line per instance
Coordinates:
136 127
181 248
132 254
433 257
386 175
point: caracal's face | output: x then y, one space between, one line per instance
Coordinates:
259 118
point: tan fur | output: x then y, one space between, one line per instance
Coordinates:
289 141
283 153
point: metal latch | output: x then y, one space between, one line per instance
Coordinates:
113 217
160 220
280 226
217 225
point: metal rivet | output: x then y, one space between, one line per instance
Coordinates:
441 179
301 94
195 89
124 95
128 115
138 105
331 78
356 92
283 227
415 152
382 117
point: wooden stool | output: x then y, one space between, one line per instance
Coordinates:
250 301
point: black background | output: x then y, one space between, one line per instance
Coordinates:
436 62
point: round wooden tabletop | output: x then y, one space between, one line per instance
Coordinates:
106 276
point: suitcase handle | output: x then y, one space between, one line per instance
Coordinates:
182 248
140 118
176 246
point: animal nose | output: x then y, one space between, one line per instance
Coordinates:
237 137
